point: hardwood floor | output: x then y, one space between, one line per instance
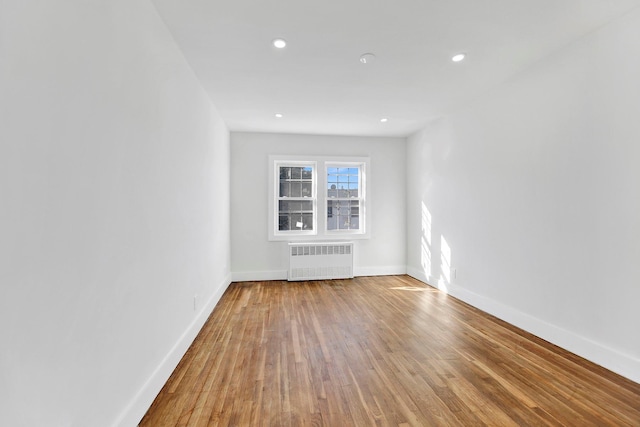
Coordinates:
383 351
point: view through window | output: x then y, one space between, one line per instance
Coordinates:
317 198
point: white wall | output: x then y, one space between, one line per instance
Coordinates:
114 193
534 189
255 258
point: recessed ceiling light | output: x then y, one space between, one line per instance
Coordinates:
367 58
279 115
459 57
279 43
384 120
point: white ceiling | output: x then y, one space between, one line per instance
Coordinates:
317 81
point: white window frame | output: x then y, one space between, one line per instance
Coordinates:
320 166
362 197
275 232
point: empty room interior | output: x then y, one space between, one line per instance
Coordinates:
469 169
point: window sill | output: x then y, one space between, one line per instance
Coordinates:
318 237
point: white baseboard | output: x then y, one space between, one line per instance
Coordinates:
384 270
613 360
258 276
139 405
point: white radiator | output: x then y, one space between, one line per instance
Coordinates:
320 261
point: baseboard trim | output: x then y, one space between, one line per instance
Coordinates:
613 360
139 405
259 276
385 270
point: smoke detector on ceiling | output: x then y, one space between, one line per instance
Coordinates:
367 58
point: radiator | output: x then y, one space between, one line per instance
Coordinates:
320 261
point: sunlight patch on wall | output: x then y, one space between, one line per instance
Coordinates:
445 265
426 251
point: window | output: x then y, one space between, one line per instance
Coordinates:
344 197
296 198
317 197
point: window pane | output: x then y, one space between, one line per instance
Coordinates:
284 189
306 206
307 189
343 182
285 173
353 189
296 221
335 213
286 206
290 206
296 198
343 223
295 215
307 221
283 222
332 215
296 189
343 215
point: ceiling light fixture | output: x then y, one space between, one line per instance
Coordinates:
279 43
384 120
279 115
459 57
367 58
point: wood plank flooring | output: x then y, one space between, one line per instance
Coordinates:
383 351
